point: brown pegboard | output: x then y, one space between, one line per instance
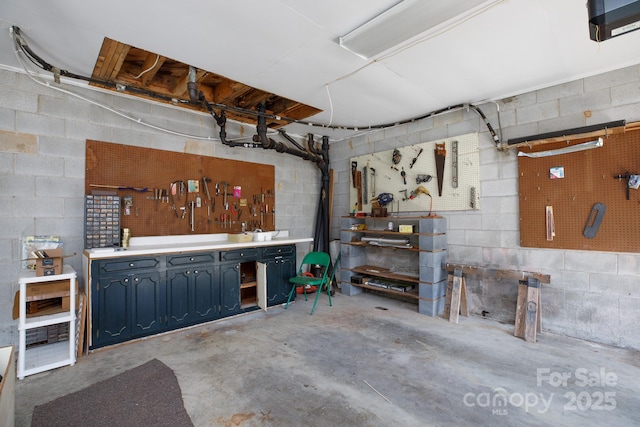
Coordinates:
111 164
589 179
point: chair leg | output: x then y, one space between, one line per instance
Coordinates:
293 289
318 292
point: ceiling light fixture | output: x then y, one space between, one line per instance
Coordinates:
408 19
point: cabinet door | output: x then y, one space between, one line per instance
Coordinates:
287 270
180 297
111 306
206 293
148 298
279 270
230 283
274 282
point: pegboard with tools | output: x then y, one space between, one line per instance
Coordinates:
581 194
431 176
170 193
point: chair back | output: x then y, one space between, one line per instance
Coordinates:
317 258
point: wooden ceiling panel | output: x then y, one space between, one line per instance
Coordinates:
135 67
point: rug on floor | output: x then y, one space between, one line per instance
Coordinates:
148 395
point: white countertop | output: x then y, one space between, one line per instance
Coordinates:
188 243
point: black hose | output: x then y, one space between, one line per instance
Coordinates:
198 99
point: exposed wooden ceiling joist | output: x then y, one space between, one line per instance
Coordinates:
135 67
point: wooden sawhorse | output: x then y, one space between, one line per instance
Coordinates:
528 318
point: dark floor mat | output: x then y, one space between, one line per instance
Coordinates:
148 395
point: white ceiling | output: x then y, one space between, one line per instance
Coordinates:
290 48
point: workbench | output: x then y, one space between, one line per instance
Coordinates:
163 283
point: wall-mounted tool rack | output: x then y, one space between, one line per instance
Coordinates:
575 183
143 178
447 169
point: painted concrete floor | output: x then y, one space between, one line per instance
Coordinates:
369 361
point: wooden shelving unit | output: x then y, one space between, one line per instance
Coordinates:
372 262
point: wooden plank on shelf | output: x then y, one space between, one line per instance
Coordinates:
413 293
385 273
248 285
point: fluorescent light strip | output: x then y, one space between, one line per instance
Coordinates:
406 20
571 149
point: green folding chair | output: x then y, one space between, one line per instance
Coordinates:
310 260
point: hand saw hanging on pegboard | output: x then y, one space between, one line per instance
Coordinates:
440 154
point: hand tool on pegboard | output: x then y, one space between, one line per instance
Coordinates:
122 188
359 189
365 189
440 154
550 223
225 186
354 168
373 182
210 206
593 221
454 164
415 159
627 177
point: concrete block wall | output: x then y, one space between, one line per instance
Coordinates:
592 295
42 157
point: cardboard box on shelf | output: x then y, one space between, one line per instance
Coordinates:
51 264
57 291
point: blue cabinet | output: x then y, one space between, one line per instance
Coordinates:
133 297
148 303
127 300
230 283
193 289
281 265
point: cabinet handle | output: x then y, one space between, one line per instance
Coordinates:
132 265
137 279
191 259
126 280
195 272
187 272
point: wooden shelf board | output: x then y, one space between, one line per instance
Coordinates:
393 233
385 273
248 285
413 293
414 249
